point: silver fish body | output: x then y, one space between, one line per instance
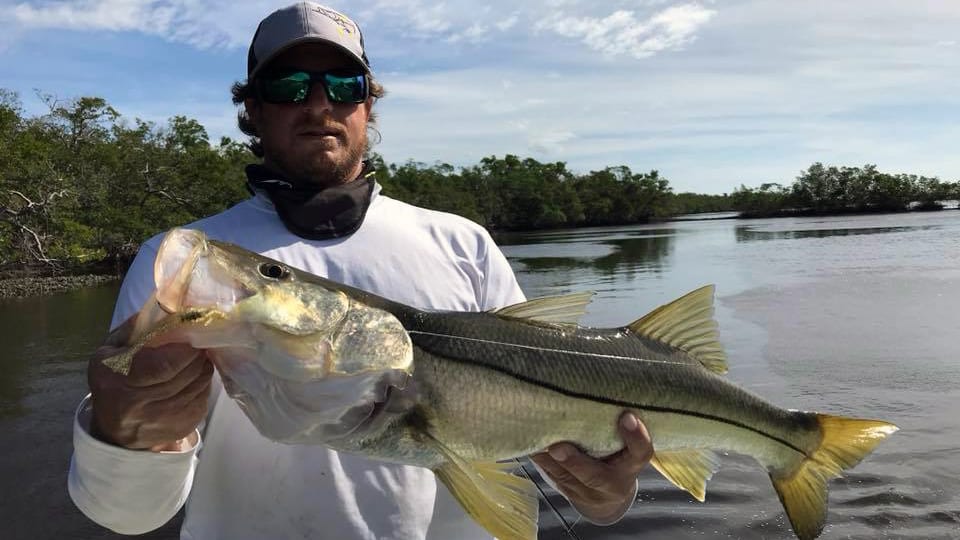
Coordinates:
460 392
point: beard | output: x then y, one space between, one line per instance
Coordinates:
318 167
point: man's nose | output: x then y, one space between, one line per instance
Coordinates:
317 99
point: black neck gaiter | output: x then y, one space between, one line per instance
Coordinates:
313 212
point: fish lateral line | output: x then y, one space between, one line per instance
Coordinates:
544 349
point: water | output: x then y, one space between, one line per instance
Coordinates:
851 315
46 343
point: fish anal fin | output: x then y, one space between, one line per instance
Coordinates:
688 469
565 309
687 324
502 503
803 489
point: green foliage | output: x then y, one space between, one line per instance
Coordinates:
79 185
699 203
514 193
767 198
829 190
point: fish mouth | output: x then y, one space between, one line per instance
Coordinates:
191 273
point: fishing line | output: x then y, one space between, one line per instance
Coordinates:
566 526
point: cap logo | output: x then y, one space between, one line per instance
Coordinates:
346 26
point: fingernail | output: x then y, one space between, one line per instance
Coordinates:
630 422
559 452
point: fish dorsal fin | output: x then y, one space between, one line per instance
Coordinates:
502 503
564 309
687 324
688 469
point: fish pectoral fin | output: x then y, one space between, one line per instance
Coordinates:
131 334
161 323
803 488
121 363
689 470
565 309
687 324
502 503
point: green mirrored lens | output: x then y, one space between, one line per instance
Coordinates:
290 89
295 87
345 89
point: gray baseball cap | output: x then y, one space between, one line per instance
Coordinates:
304 22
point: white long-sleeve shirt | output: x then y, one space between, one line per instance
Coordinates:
239 485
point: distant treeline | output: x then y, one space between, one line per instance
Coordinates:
833 190
512 193
81 187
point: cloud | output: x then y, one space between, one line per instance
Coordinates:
550 143
413 18
188 21
508 23
622 33
475 33
119 15
206 24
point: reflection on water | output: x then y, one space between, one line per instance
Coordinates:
581 236
747 233
603 260
644 253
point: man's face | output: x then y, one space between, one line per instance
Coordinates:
316 141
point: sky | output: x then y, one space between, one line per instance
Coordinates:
712 94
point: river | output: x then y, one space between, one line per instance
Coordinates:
848 315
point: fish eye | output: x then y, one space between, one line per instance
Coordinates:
273 271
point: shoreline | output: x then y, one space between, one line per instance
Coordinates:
24 287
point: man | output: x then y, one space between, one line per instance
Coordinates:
137 439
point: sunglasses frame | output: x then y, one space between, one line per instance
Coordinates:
315 77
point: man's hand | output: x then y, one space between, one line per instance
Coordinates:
158 404
601 490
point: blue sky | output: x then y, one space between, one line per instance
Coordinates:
712 94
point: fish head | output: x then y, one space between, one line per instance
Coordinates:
305 360
301 327
192 271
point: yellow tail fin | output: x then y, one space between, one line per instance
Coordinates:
803 489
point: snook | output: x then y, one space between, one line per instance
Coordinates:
477 388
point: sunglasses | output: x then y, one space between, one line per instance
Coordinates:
294 86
